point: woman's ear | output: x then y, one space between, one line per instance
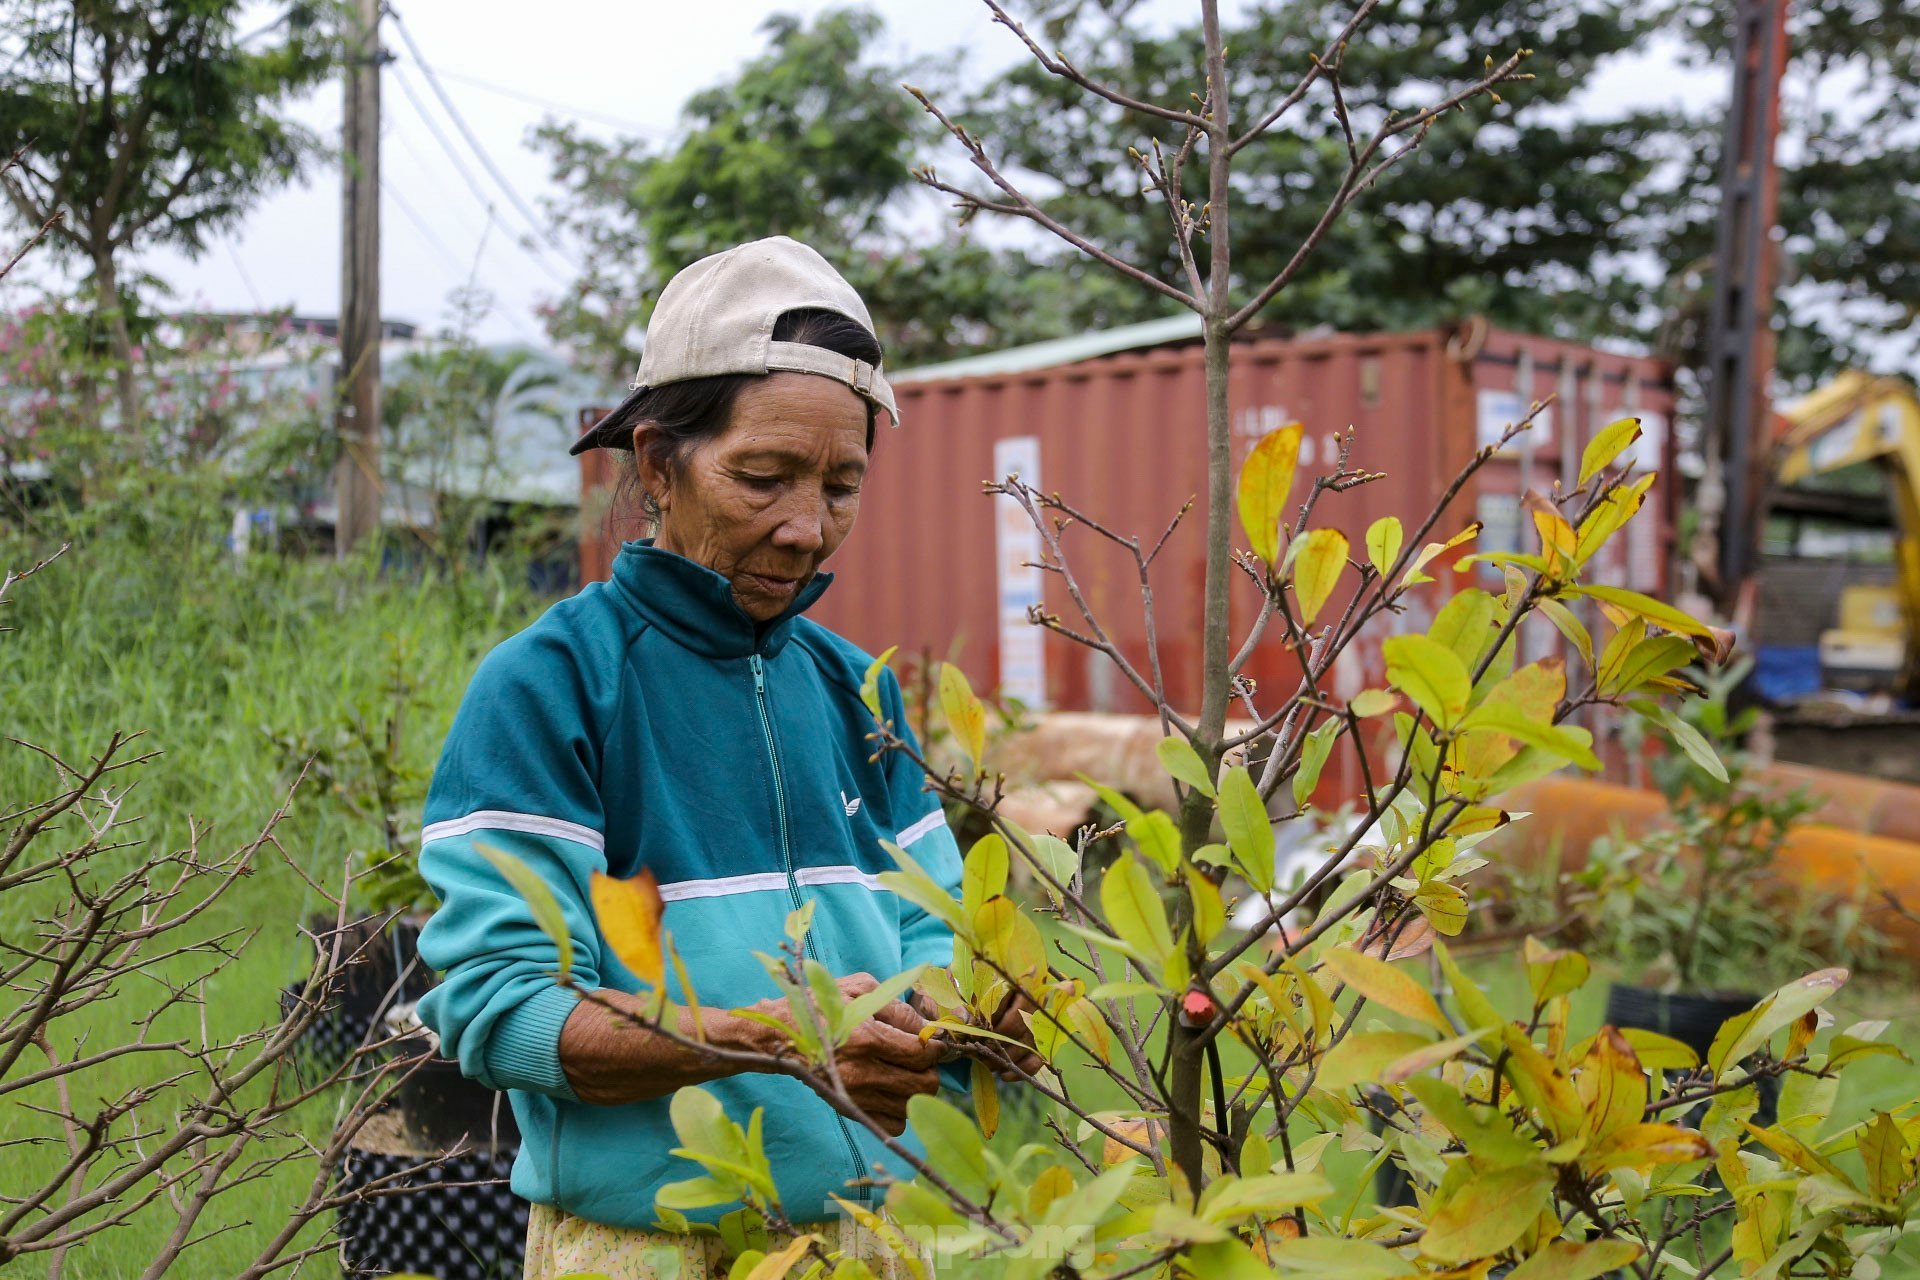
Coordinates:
653 477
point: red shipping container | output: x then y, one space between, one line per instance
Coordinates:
1122 437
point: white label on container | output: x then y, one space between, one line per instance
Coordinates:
1498 410
1017 550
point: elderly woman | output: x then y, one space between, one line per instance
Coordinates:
686 719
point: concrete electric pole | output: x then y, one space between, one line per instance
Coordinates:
356 481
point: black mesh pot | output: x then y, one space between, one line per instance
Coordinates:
440 1109
1693 1021
367 988
432 1229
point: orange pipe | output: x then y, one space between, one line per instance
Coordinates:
1853 801
1881 873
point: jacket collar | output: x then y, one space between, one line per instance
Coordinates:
695 606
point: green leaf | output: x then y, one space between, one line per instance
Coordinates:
965 716
1322 559
864 1006
1385 537
1314 750
1209 911
1431 674
870 683
1465 625
1508 719
1266 479
1004 934
1740 1036
1648 660
1119 803
1158 839
1570 1260
1487 1213
1134 909
1475 1009
1654 611
1362 1057
1569 626
1686 737
954 1146
540 901
1229 1199
1337 1258
1608 445
1183 763
984 874
913 883
1248 828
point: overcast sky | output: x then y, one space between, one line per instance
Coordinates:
613 66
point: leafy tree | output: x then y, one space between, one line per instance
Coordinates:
145 124
811 139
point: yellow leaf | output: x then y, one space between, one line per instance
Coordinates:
1608 445
1414 572
1265 481
629 913
1558 541
1385 537
1431 674
1383 984
1323 557
986 1097
1612 1085
965 716
1444 905
1642 1146
1553 972
1373 702
1487 1213
776 1265
1362 1057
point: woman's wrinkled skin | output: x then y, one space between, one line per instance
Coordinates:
765 503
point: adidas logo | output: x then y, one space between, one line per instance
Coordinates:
851 806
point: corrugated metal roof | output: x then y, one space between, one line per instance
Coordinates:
1046 355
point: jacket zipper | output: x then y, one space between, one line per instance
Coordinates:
786 857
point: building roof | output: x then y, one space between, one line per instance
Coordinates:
1046 355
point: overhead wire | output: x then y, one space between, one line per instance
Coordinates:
533 220
469 273
550 104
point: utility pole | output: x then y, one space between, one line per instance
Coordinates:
1740 344
356 478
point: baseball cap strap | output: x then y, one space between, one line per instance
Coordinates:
866 380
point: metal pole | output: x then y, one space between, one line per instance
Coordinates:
1740 334
357 408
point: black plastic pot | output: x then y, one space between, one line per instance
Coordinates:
380 979
1693 1021
433 1229
440 1108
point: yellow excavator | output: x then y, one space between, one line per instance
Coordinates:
1853 419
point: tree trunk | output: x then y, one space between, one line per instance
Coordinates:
1187 1076
106 286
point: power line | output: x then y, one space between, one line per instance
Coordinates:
469 275
480 152
466 175
564 108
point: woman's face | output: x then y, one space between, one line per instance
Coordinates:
765 503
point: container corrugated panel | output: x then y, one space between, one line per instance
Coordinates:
1122 438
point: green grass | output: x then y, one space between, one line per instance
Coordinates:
229 671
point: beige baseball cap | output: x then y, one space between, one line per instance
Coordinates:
716 317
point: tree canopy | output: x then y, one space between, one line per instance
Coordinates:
1557 214
146 124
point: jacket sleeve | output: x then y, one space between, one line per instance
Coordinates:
519 773
924 938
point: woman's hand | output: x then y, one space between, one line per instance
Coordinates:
884 1063
1009 1022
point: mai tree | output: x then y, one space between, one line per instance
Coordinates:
1215 1099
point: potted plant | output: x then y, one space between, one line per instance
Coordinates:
1689 913
459 1220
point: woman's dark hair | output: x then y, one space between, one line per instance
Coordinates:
685 414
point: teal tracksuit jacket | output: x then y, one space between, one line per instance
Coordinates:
648 722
